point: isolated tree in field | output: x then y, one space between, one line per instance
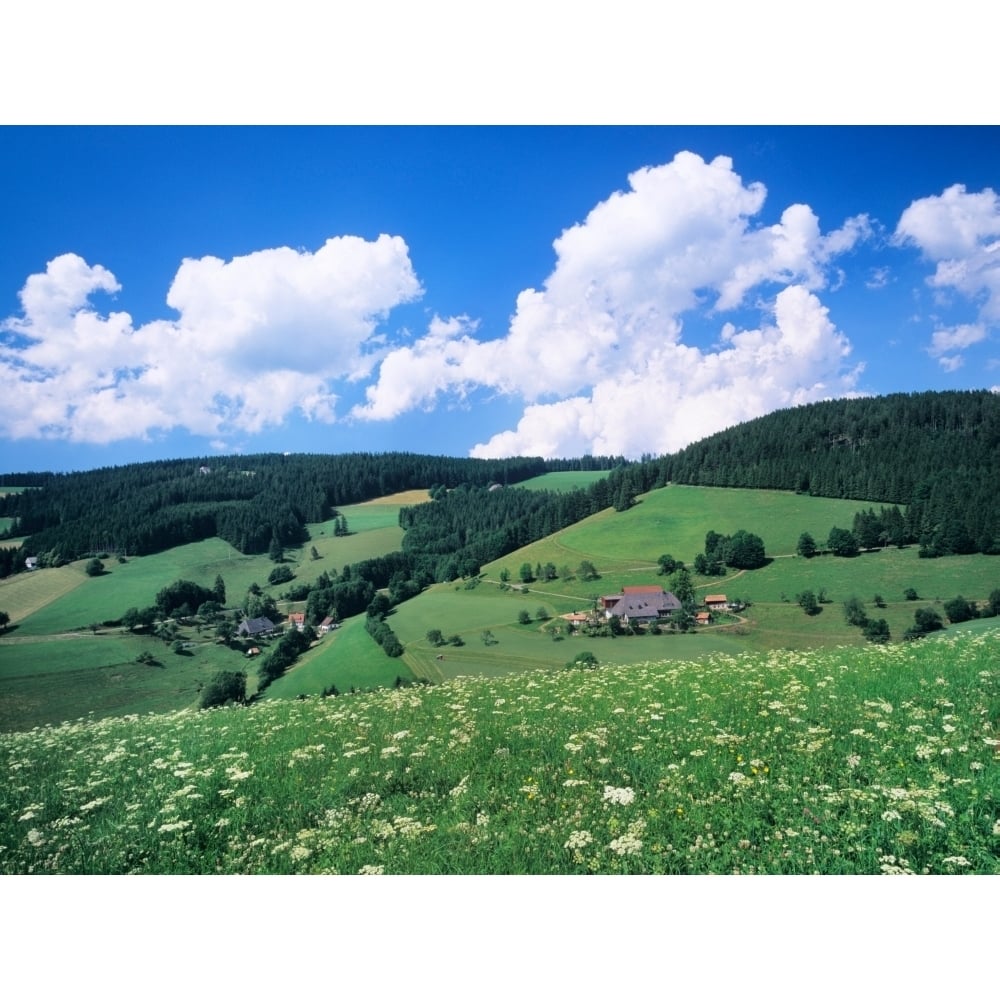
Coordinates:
219 590
584 659
434 637
960 610
910 594
313 552
877 631
224 687
524 616
925 621
505 575
854 612
489 639
542 614
527 574
808 602
94 568
280 574
4 621
807 545
586 571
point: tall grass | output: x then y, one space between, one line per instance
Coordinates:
875 760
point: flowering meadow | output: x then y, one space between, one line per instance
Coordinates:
874 760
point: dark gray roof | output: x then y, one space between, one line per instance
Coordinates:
645 605
256 626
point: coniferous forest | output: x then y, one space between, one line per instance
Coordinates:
936 453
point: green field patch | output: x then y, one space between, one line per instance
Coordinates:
48 681
563 482
24 594
345 658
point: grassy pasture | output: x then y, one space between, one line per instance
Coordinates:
839 761
25 594
49 680
347 658
563 482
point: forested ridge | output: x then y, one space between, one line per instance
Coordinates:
937 453
247 500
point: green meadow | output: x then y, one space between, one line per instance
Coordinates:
879 760
563 482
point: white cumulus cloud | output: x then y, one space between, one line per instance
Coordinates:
598 354
256 338
959 233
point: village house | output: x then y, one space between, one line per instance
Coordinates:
716 602
327 624
640 605
297 619
252 627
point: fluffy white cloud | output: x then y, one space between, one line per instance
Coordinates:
598 353
959 232
256 338
683 393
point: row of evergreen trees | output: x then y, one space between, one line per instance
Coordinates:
252 502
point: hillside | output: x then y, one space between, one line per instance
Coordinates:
877 760
938 452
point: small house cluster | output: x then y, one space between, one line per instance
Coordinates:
640 605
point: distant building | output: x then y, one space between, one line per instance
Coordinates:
716 602
297 619
640 605
252 627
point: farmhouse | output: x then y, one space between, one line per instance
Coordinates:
297 619
255 626
638 605
327 624
715 602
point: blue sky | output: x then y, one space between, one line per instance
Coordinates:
491 290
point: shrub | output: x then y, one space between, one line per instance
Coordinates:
960 610
280 574
225 687
854 612
877 631
808 602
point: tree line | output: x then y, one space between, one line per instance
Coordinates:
250 501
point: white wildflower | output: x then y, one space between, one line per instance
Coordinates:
579 839
619 796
